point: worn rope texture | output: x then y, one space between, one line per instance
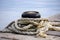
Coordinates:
37 26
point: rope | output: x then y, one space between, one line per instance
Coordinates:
30 26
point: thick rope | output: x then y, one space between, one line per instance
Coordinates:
31 26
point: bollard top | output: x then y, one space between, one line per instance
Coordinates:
31 14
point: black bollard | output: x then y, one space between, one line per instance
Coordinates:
31 14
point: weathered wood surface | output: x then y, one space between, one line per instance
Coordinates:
54 17
53 35
55 23
10 36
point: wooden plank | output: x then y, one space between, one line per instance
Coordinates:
55 33
55 23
